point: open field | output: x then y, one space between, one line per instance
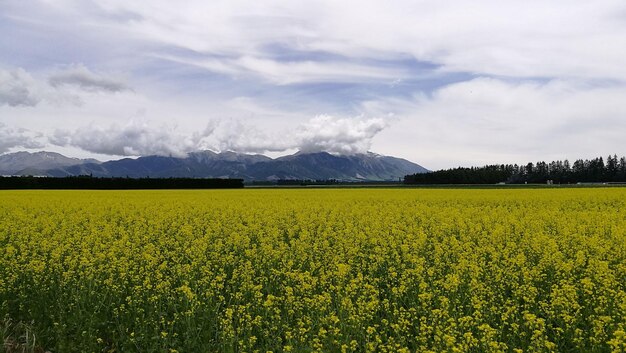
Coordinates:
303 270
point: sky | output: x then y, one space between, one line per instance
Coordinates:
441 83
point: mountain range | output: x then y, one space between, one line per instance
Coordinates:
207 164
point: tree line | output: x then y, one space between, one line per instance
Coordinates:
88 182
559 172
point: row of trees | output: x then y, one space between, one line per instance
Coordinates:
560 172
87 182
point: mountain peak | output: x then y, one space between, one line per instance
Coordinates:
27 163
227 164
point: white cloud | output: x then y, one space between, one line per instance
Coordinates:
80 76
11 137
541 79
133 139
291 72
561 38
322 133
338 135
233 135
495 121
18 88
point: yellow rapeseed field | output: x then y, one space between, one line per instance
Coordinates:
322 270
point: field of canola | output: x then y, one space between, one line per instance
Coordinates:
329 270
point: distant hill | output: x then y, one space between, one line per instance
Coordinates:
26 163
322 165
207 164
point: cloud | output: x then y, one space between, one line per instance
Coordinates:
143 138
133 139
471 83
338 135
80 76
12 138
234 135
294 72
322 133
561 38
489 120
18 88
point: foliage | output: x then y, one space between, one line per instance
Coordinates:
88 182
561 172
316 270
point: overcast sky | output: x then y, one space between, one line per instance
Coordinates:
441 83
